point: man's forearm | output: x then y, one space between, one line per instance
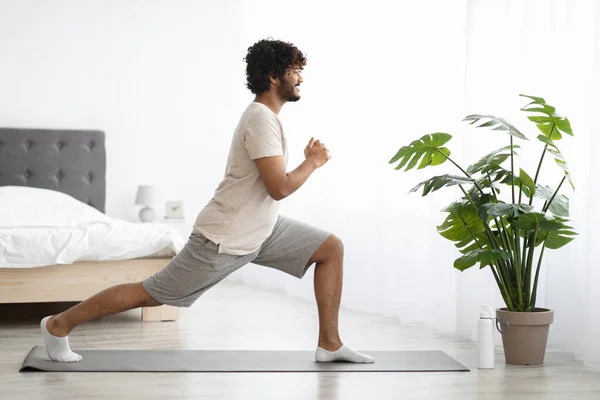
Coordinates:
296 178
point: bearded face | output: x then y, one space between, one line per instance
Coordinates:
289 90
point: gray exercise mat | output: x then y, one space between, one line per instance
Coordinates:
237 361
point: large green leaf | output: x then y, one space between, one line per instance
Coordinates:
496 172
491 174
532 220
463 226
495 123
495 158
551 124
526 183
560 204
519 182
428 149
438 182
502 175
484 183
483 256
468 245
555 239
501 209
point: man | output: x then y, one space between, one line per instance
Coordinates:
241 223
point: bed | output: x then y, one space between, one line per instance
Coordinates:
69 168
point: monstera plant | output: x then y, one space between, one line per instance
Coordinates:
507 233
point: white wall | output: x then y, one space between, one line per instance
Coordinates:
164 80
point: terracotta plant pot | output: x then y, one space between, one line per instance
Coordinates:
524 335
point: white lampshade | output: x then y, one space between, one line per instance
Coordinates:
145 195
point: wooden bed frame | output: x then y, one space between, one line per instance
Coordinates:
72 162
79 281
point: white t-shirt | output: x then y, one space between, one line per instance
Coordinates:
241 215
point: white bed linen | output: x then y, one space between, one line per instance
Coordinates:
40 227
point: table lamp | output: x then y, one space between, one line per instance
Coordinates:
146 197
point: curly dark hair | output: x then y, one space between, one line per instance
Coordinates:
270 58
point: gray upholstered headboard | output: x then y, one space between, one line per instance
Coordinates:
68 161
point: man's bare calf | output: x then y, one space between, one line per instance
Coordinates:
113 300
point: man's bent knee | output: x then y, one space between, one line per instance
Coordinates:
339 246
147 300
332 248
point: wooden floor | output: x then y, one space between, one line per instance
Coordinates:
235 316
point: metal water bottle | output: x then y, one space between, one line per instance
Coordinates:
485 338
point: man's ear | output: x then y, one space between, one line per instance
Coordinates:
273 80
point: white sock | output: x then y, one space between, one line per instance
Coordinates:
344 353
58 347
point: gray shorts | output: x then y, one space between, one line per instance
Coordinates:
199 266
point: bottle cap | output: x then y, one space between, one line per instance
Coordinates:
486 311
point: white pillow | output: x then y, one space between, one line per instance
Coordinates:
27 206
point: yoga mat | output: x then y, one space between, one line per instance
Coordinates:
237 361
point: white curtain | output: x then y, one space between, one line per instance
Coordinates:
383 73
